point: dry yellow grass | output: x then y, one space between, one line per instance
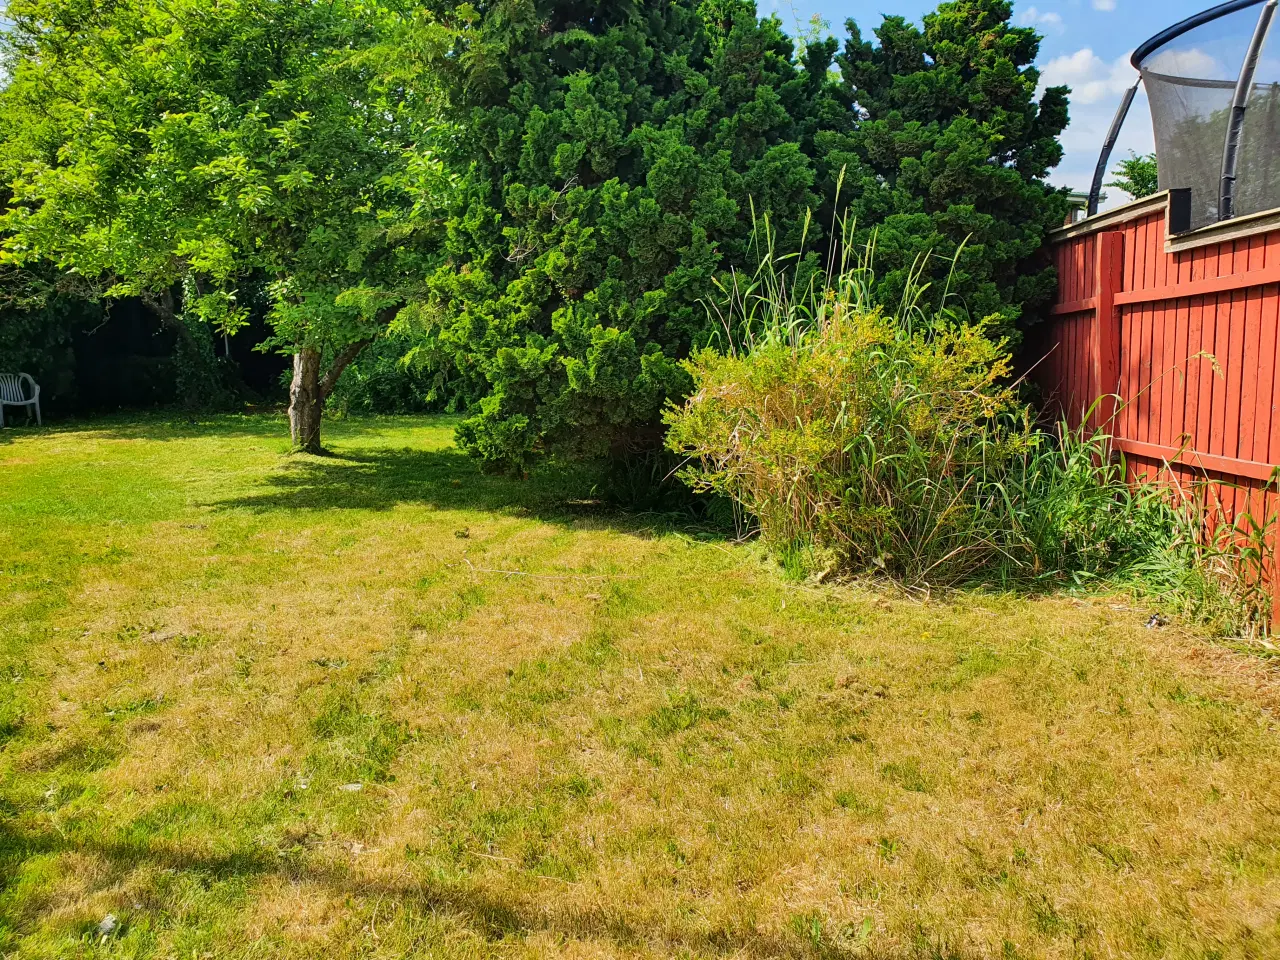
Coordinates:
563 732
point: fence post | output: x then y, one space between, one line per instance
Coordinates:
1106 327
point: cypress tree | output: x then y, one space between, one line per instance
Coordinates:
614 151
614 155
948 156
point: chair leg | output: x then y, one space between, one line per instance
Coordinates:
39 422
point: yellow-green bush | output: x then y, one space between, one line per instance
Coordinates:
860 439
863 440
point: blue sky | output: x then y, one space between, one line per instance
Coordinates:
1086 45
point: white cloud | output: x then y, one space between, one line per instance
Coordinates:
1097 87
1090 78
1032 17
1188 63
1106 6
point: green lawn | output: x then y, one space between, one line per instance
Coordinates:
379 705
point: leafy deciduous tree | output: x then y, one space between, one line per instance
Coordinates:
170 150
1138 176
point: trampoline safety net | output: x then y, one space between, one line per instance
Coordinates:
1190 83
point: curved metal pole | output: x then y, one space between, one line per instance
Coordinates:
1240 103
1170 34
1095 191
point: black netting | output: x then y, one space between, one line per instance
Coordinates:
1190 82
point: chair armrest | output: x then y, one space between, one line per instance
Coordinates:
35 387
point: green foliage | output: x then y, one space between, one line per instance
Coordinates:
949 154
175 150
894 443
1138 176
380 381
614 154
35 331
204 380
1214 572
611 153
539 195
879 417
847 434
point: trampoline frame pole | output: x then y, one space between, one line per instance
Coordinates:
1239 104
1095 191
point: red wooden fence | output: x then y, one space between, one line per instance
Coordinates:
1183 329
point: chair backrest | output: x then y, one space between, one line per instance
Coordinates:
11 388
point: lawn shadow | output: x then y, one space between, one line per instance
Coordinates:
448 479
490 915
164 426
367 467
15 431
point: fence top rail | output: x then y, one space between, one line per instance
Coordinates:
1132 210
1236 228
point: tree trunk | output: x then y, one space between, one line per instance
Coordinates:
306 401
165 306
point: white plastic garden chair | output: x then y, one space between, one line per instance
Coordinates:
13 393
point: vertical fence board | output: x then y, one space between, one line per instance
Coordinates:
1178 382
1234 369
1249 369
1208 373
1155 389
1195 338
1221 350
1146 366
1195 373
1139 264
1131 366
1265 402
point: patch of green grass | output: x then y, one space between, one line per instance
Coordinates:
354 744
908 775
255 704
682 712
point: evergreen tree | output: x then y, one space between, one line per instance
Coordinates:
951 145
613 153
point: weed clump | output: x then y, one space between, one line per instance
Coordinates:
858 440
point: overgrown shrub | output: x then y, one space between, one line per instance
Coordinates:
879 446
1217 572
205 381
866 439
861 440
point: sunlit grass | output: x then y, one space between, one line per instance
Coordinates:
380 705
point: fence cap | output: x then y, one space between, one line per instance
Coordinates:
1122 214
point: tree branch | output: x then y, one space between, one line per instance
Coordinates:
350 352
340 363
163 305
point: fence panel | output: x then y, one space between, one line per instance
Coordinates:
1186 333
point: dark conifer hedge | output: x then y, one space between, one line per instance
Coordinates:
613 154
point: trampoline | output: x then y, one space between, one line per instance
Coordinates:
1213 85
